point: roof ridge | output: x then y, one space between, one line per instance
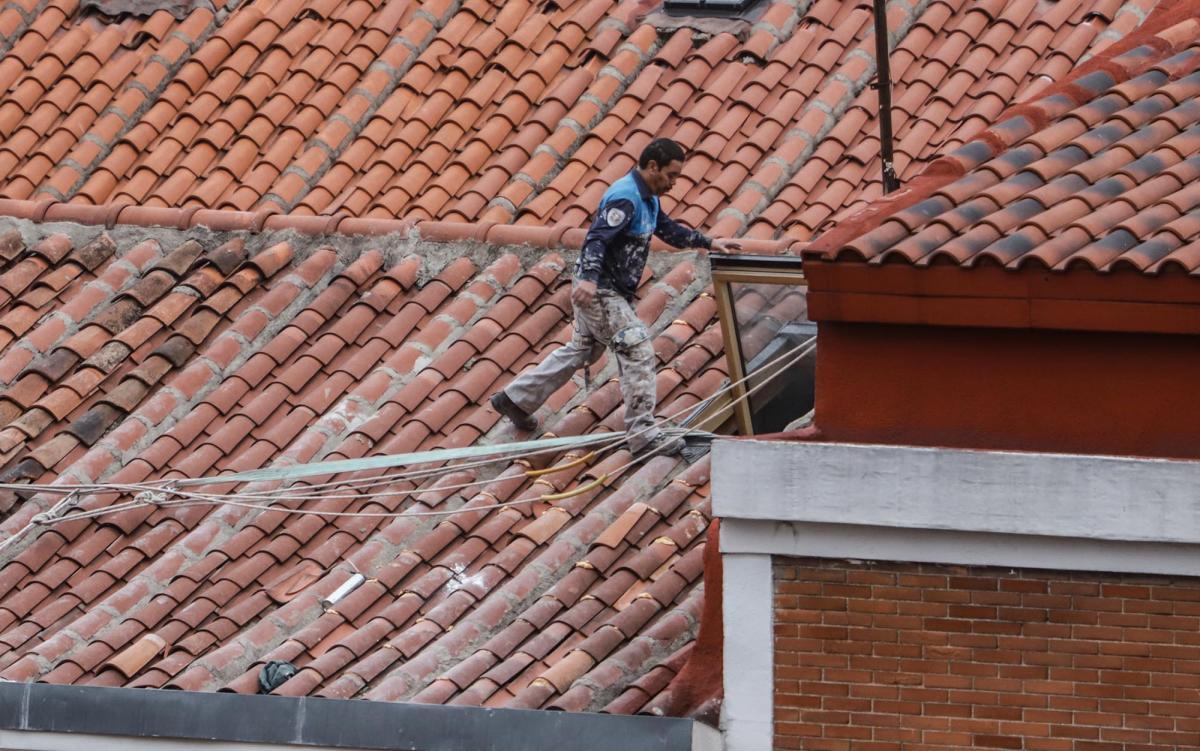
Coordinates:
558 236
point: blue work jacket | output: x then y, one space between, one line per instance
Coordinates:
618 242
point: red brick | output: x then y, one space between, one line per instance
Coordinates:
997 712
946 595
844 704
797 588
973 668
977 641
923 581
823 632
989 583
866 576
1150 606
874 691
1191 593
1022 585
1048 744
922 608
859 591
1124 590
998 741
1012 599
1124 620
1089 589
871 606
946 624
1075 731
1046 601
820 603
1049 715
1174 622
971 611
1098 603
844 618
1123 735
925 658
996 627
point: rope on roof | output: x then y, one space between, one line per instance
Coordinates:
172 493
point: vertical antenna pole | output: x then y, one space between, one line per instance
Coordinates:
883 84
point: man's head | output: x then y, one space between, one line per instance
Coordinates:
660 164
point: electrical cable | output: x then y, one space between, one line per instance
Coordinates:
191 498
155 493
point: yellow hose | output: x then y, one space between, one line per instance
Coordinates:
585 459
549 497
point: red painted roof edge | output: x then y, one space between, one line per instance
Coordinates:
266 220
698 689
1171 27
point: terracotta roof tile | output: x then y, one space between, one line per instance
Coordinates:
1113 190
278 106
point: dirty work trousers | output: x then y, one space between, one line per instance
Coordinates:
607 321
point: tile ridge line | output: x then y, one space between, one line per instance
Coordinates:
109 216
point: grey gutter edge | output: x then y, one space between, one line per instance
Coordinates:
329 723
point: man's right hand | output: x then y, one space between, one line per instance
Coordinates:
583 293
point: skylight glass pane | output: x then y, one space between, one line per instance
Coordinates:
778 345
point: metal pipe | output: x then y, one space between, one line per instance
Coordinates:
883 84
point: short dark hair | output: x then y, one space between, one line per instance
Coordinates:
661 151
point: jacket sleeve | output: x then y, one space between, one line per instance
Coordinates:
679 236
611 220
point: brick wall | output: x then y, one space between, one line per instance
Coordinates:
882 657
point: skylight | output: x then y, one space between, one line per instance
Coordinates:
769 341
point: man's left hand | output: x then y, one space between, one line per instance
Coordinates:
726 245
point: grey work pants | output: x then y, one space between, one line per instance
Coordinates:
607 321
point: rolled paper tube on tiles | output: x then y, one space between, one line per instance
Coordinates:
396 460
340 593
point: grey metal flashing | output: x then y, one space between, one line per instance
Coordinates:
324 723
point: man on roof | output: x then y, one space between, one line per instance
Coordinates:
602 292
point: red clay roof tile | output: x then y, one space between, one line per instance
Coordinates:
310 164
1125 170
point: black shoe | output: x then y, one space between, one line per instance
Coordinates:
507 407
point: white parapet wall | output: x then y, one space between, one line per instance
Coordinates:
902 503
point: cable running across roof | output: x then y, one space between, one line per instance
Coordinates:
157 493
505 452
188 498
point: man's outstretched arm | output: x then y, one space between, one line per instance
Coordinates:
681 236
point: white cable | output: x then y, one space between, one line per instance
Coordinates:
280 494
193 498
190 498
